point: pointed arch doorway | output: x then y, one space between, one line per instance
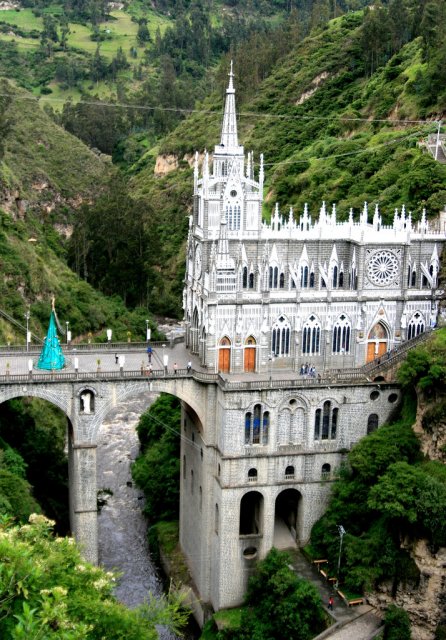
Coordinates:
250 355
224 356
377 342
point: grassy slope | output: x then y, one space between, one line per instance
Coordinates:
121 33
39 152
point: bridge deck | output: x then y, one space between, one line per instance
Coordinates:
99 362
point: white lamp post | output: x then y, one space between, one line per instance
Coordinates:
67 324
109 335
165 359
28 335
342 533
148 331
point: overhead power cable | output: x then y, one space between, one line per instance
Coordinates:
241 114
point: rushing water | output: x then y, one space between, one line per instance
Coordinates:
122 526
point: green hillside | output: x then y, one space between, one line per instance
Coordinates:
330 129
45 175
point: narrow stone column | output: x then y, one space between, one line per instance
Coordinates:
83 511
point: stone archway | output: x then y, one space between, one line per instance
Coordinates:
377 341
286 518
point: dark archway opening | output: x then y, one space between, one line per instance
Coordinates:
33 436
251 513
286 518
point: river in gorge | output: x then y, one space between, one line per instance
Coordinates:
123 543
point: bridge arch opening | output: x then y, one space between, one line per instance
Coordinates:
286 518
251 514
38 430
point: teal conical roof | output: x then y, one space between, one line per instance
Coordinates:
51 356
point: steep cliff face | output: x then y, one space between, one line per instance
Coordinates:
425 602
423 599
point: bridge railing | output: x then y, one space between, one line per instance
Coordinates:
95 347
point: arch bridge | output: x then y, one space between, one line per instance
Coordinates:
258 452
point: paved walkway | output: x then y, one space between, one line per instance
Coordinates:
349 623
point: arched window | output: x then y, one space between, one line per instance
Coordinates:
335 277
252 475
245 278
424 282
311 336
273 277
280 338
257 426
312 280
289 473
325 471
372 423
341 335
341 279
409 272
304 277
413 281
326 422
251 280
282 281
265 427
353 278
415 326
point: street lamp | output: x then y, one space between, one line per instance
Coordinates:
109 335
165 359
342 533
27 316
67 333
270 362
148 331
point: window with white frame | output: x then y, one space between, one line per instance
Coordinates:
280 337
311 336
341 335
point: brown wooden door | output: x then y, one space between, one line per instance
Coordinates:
224 360
250 359
370 351
382 349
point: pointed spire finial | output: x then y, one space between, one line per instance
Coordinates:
229 137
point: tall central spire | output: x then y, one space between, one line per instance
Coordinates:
229 129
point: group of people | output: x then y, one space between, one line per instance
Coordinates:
308 370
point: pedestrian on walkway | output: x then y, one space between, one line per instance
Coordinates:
330 603
116 358
149 354
175 368
189 366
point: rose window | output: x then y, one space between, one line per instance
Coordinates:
382 268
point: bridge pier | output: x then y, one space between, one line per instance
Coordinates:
83 498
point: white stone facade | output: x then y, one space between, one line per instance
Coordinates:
299 289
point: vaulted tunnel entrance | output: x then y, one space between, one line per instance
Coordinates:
286 519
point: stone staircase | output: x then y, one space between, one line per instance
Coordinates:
360 622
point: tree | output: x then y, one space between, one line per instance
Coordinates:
47 591
157 470
280 605
143 36
396 624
